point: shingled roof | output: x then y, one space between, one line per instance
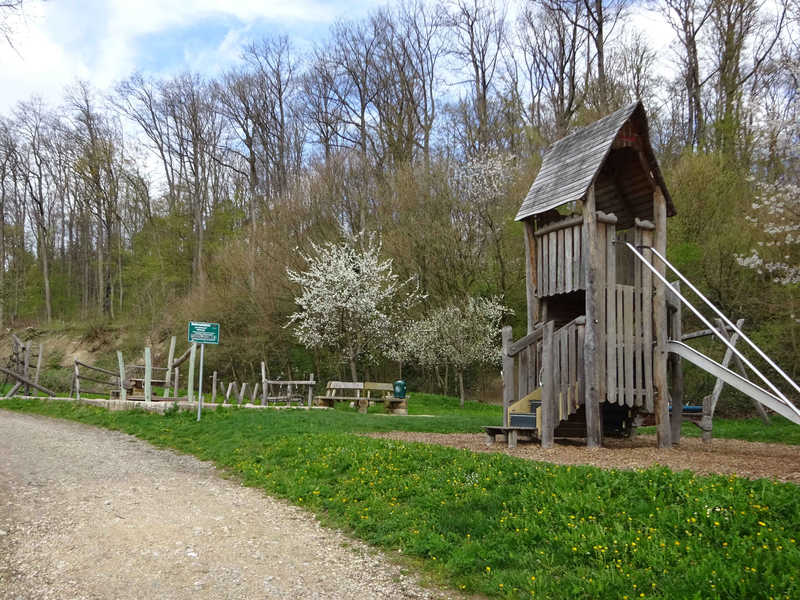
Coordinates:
571 164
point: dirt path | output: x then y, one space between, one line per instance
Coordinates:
89 513
746 459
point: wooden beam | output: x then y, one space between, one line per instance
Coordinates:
148 376
531 274
522 343
38 368
660 353
508 374
703 333
562 224
549 410
677 376
646 166
27 382
739 367
190 389
592 337
123 393
170 359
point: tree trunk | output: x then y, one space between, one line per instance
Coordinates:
461 386
101 284
353 372
46 273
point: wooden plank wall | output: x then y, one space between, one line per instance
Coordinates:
629 321
559 257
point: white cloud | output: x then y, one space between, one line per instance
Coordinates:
103 41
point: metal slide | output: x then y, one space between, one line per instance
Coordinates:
784 408
774 399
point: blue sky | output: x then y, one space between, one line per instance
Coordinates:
105 40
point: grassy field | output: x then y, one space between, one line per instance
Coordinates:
493 524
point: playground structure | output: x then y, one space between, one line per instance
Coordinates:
604 349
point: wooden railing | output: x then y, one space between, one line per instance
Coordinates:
523 359
563 390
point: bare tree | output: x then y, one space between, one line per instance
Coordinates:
551 45
479 39
33 123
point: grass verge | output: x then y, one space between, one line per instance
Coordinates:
493 524
782 430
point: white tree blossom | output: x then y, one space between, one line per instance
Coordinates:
461 334
351 301
777 213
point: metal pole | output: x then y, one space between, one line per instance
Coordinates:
200 383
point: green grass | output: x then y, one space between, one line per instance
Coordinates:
493 524
782 430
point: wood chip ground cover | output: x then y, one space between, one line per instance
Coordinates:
501 525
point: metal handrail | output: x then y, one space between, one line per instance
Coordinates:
752 344
779 395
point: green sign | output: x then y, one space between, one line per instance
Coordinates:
203 333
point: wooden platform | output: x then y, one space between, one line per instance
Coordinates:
509 434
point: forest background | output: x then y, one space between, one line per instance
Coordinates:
128 211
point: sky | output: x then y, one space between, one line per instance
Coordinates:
103 41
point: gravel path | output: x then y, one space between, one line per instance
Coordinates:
746 459
90 513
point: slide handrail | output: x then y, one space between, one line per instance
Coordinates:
730 323
778 394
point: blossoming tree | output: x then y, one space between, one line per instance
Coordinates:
351 301
462 334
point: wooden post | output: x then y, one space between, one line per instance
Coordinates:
190 384
531 274
531 277
660 354
241 393
611 315
38 369
592 338
77 380
254 394
26 373
175 384
148 376
739 367
508 373
123 393
228 393
549 410
708 418
264 386
677 374
310 391
169 366
214 388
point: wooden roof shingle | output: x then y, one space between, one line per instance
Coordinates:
571 164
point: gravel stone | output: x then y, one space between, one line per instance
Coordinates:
752 460
88 513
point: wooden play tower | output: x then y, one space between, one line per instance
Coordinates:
604 348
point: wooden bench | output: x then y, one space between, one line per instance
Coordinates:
359 393
509 434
